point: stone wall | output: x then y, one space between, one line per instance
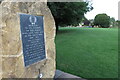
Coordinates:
12 56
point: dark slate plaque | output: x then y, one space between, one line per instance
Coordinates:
32 33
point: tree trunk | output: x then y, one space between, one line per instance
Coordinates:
57 28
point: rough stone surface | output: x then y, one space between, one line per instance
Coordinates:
12 56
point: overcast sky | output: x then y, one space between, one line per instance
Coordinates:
110 7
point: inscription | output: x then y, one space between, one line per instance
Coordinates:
32 32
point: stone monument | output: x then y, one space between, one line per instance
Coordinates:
27 40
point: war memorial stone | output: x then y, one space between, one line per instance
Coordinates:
32 32
27 34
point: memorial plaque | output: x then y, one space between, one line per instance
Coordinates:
33 43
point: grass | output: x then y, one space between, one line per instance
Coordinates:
88 52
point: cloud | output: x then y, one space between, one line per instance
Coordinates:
109 7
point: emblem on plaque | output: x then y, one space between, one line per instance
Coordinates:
33 20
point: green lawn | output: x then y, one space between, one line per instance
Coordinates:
88 52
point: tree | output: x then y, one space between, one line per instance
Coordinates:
112 22
102 20
68 13
118 23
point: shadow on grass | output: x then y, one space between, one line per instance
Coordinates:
65 31
71 30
